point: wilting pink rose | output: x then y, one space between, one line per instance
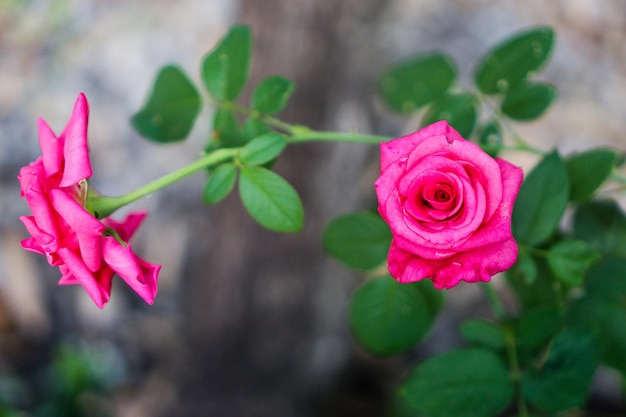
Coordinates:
449 207
87 251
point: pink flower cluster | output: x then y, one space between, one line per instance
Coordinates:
87 250
449 207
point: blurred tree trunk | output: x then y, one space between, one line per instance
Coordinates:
264 329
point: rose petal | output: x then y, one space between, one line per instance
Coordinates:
36 197
141 276
127 227
46 242
51 148
75 150
454 147
474 266
498 227
396 149
88 230
77 272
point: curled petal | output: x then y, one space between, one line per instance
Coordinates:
127 227
75 149
36 197
32 245
51 148
45 242
141 276
76 272
87 229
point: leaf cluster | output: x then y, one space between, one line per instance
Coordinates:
570 277
172 108
504 87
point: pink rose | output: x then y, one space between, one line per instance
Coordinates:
449 207
87 251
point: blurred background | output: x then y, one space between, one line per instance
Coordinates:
247 322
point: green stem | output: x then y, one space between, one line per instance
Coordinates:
511 349
299 135
494 301
618 178
103 206
519 144
272 121
511 352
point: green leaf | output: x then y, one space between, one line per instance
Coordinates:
541 201
490 138
270 199
562 381
171 109
225 128
388 318
513 61
536 327
225 69
254 127
221 181
462 382
541 290
271 94
484 333
263 149
417 81
458 109
602 224
607 281
602 309
588 170
570 259
360 240
528 102
527 266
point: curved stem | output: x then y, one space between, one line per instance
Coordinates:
103 206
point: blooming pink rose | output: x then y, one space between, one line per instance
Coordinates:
449 207
87 251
